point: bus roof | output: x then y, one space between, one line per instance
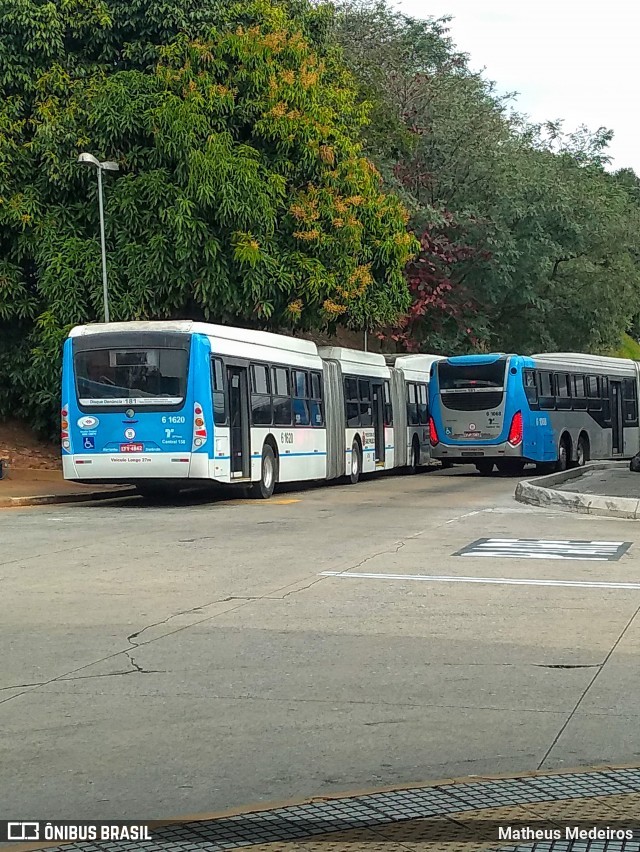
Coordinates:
417 362
223 332
373 362
578 361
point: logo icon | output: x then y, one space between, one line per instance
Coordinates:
23 831
130 434
88 422
472 427
129 412
89 443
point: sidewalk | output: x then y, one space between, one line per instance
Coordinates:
41 487
600 488
609 482
589 810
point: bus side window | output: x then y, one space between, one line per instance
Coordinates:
412 405
604 395
218 389
630 402
388 408
315 403
594 402
563 392
351 401
579 393
300 381
546 391
530 389
281 398
364 390
423 405
260 396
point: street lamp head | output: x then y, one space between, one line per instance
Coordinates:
89 160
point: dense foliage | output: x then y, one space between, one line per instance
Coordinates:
527 242
295 165
243 194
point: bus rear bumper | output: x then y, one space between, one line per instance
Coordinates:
119 467
468 454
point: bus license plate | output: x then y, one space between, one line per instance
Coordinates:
131 448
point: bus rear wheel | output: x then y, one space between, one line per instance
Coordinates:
263 489
484 467
414 463
582 451
563 456
356 464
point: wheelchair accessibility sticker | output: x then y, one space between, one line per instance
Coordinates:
89 443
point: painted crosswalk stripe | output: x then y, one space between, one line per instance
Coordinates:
496 581
531 548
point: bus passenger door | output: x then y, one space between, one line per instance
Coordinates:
377 395
239 422
617 422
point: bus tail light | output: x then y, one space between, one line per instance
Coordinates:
433 433
199 426
64 427
515 431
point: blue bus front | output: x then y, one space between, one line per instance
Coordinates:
133 406
480 413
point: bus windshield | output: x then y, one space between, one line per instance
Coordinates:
135 376
471 376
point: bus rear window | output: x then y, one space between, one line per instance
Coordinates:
115 377
471 376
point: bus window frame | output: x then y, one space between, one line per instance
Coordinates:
580 400
222 392
563 403
545 401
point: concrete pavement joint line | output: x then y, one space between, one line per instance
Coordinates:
589 685
499 581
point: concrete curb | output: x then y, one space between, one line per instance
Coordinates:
540 492
75 497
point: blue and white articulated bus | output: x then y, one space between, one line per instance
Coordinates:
555 410
165 405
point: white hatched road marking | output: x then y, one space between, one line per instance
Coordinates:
498 581
527 548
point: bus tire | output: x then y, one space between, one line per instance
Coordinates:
263 489
564 455
414 463
484 467
356 464
582 451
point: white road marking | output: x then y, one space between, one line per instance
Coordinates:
498 581
527 548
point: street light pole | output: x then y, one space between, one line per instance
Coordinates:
105 286
107 165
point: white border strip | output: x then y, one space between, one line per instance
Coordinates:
497 581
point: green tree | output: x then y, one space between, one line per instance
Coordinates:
243 193
527 243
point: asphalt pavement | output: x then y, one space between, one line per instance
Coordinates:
215 653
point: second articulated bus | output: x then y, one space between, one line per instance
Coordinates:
555 410
165 404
